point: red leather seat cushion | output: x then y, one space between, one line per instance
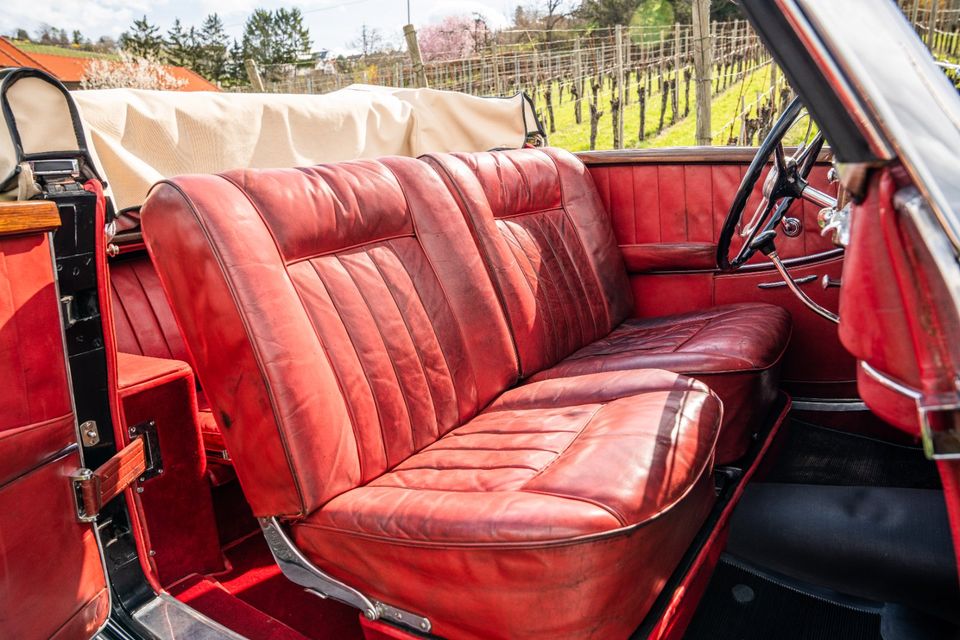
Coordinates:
551 250
540 497
736 349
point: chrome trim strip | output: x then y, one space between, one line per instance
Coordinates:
815 404
169 619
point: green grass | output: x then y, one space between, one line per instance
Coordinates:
68 51
574 137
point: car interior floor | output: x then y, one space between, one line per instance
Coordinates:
840 532
841 535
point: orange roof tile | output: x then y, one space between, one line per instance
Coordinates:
72 69
13 56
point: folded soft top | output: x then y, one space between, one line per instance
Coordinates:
137 137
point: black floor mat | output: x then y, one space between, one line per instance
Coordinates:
817 455
741 605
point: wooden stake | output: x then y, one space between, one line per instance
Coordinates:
702 68
414 48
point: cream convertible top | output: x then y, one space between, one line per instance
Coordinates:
136 137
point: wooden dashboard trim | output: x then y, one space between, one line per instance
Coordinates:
34 216
681 155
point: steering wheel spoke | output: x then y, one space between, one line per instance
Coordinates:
785 182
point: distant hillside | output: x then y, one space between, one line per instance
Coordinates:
56 50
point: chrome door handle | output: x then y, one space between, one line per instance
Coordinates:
781 283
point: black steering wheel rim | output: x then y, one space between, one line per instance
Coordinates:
789 182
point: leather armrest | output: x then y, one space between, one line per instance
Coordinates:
669 256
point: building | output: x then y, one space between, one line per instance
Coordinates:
70 69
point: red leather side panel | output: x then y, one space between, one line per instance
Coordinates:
667 256
664 203
176 508
681 206
52 577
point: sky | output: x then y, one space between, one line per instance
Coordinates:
334 24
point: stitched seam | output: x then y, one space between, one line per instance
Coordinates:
443 351
386 352
575 295
586 423
123 308
354 423
486 256
413 341
542 305
613 512
431 449
492 467
153 312
443 290
583 248
346 249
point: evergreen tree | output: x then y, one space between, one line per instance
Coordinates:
213 43
272 38
177 48
142 40
236 73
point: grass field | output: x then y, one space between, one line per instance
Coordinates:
71 52
725 106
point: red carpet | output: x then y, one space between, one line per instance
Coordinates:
254 599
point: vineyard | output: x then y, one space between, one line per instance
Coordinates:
617 88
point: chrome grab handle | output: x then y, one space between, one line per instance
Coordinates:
781 283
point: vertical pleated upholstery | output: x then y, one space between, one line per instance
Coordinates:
384 312
549 247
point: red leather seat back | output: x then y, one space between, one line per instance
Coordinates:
143 320
550 247
340 316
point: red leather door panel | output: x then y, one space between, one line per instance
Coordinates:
667 206
52 581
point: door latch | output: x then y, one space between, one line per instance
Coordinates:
137 462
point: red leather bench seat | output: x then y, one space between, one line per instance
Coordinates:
363 375
551 252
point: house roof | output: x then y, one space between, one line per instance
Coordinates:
72 69
12 56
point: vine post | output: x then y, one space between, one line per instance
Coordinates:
702 68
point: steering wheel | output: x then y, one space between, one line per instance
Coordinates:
786 182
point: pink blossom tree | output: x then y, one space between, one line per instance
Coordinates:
454 37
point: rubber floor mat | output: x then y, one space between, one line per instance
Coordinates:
741 605
818 455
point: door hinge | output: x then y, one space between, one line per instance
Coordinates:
136 462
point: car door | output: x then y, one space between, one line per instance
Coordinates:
668 206
52 578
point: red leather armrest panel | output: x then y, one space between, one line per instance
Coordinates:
669 256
